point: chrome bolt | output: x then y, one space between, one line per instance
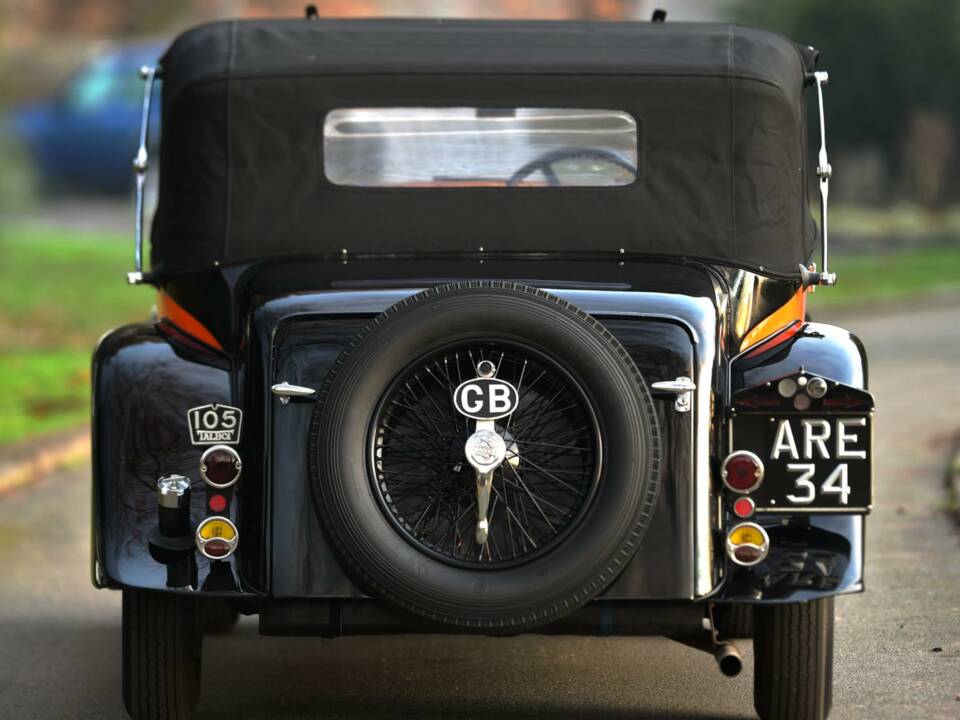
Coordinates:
486 369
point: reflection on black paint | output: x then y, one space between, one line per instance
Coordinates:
303 564
142 391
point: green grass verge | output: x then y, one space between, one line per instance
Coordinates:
904 222
59 291
43 391
62 289
864 279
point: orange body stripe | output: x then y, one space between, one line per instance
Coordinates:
170 310
794 310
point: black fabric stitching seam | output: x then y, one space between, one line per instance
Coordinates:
539 73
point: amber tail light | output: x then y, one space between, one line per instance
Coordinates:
217 537
782 324
747 544
175 320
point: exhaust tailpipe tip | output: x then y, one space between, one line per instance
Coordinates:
728 658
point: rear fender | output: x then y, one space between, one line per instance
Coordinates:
143 387
813 556
825 350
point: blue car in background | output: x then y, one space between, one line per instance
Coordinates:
83 139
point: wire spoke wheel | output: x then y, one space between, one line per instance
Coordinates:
428 489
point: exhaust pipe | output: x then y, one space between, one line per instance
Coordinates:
728 658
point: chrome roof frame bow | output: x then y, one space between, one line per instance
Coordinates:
810 276
140 165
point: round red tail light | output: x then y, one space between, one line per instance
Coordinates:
217 503
743 507
742 471
220 466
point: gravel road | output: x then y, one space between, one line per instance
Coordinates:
898 645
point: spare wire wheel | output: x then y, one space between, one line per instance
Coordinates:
479 490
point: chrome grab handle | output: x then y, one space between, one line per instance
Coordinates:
285 391
140 164
810 276
682 387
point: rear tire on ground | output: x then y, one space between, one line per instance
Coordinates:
734 621
162 642
793 660
217 617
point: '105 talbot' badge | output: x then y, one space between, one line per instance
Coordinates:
214 424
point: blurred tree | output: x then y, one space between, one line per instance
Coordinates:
893 82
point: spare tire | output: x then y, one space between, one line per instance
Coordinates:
570 499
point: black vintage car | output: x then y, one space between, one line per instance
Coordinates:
483 327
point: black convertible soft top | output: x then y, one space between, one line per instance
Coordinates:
719 111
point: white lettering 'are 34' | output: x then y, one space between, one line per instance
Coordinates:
815 435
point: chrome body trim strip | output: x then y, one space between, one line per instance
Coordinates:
700 316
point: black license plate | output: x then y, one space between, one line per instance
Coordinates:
811 464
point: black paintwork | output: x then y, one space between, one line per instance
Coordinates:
303 564
332 618
147 376
224 301
811 555
143 385
825 350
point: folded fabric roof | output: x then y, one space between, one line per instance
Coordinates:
719 110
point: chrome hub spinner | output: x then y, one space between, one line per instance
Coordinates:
485 450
